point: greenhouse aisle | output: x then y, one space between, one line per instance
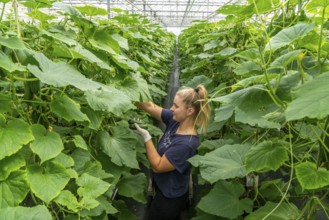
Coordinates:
173 81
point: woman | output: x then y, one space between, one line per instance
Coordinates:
169 164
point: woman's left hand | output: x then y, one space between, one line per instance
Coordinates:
143 132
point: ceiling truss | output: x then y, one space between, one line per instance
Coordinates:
171 13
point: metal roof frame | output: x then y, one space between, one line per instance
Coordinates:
170 13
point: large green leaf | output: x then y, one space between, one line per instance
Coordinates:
64 160
317 7
73 12
94 168
201 79
251 105
224 200
60 37
120 146
224 113
125 62
66 198
146 59
257 79
223 54
123 42
13 136
136 88
10 164
260 6
13 190
39 15
223 163
91 10
5 103
39 4
95 117
103 40
133 186
88 203
80 157
47 180
105 206
311 177
304 105
248 67
285 59
88 55
308 131
285 211
87 185
25 213
60 74
253 109
12 42
287 84
113 101
7 64
209 145
288 35
47 144
266 156
80 142
67 108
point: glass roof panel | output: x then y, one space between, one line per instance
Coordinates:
172 14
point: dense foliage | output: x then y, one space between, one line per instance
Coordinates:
68 81
266 153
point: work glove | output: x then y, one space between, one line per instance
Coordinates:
144 133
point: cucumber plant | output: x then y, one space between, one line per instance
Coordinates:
265 155
68 82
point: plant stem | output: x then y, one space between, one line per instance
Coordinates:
321 34
15 6
290 179
2 11
25 79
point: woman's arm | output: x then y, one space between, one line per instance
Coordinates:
158 164
151 108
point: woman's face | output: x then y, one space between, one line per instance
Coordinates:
180 110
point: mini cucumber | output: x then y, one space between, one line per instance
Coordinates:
137 121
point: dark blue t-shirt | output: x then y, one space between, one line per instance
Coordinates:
177 148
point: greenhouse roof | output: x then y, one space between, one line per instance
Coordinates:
175 15
172 13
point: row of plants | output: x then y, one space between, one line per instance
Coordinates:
266 152
68 83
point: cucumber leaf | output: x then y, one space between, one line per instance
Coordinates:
120 146
311 177
47 180
223 163
66 108
47 144
230 205
304 105
288 35
39 212
266 156
13 136
13 189
285 211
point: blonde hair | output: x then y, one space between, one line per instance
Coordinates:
198 99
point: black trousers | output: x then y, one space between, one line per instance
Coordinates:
163 208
